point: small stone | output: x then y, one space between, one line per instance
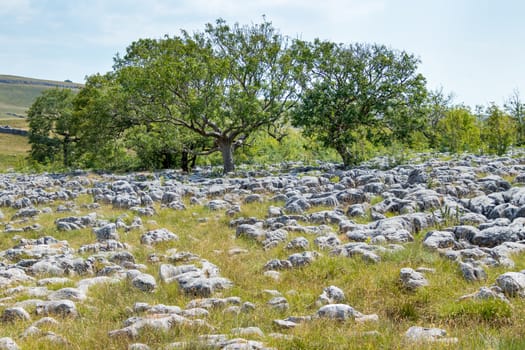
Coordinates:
74 294
284 324
422 334
331 295
31 331
57 307
367 318
248 331
279 303
411 279
340 312
512 283
106 232
8 344
247 306
13 314
275 275
157 236
144 282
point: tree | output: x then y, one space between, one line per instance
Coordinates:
100 110
358 91
223 84
499 130
516 108
52 126
437 105
459 131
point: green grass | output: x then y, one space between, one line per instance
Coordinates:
13 151
369 288
17 94
18 123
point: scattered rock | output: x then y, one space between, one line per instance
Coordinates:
411 279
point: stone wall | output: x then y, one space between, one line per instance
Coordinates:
9 130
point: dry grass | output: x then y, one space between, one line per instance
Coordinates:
370 288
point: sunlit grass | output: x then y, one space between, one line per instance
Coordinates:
369 288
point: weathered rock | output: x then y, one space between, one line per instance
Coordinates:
156 322
331 295
193 280
218 204
327 242
157 236
106 232
439 239
76 223
411 279
493 292
57 307
512 284
279 303
302 259
144 282
299 243
472 271
8 344
422 334
13 314
248 331
210 303
74 294
339 312
284 324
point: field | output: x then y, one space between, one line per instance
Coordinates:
370 287
18 93
16 96
13 150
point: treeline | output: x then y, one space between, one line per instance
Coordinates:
251 93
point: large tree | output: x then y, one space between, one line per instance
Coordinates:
52 126
222 84
357 91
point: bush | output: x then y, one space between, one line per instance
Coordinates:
459 131
500 131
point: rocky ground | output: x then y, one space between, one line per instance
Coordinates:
470 210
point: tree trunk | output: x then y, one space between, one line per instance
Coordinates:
65 150
184 162
348 158
226 147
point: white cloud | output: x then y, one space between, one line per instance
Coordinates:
118 22
20 10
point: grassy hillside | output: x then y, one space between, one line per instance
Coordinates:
18 93
13 151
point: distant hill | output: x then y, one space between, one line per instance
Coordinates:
17 94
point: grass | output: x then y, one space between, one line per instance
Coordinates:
13 151
17 94
369 288
18 123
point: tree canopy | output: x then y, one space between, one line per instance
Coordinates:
52 126
222 84
170 100
355 89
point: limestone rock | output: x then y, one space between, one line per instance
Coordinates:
411 279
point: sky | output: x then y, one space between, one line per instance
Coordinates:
474 49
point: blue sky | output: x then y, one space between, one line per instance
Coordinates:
472 48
